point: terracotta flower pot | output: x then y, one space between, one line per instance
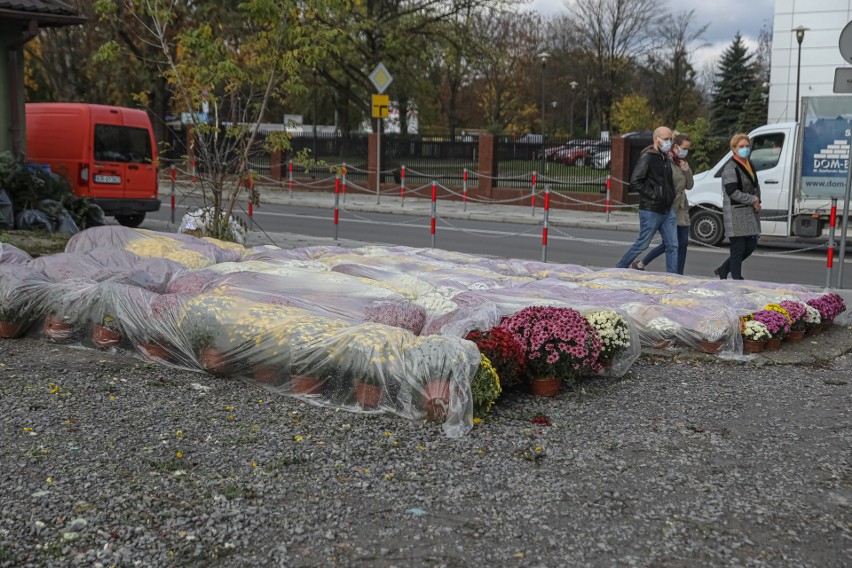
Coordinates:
663 344
436 400
214 361
826 323
306 385
814 329
752 346
57 329
711 347
548 386
11 330
367 395
795 336
104 337
772 345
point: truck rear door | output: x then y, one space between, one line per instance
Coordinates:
141 154
109 165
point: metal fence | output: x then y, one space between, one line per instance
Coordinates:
566 164
577 165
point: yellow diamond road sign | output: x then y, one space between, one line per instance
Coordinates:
380 106
381 78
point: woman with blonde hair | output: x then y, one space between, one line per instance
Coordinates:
740 208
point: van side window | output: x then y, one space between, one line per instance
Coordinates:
766 151
122 144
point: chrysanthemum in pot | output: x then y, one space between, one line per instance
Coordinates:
560 345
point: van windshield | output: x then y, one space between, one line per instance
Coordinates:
122 144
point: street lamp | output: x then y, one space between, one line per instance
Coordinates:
544 56
800 35
574 85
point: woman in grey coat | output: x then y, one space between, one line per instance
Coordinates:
741 207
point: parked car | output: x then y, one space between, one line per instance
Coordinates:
584 155
560 152
602 160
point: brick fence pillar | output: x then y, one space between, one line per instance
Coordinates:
487 165
275 165
619 168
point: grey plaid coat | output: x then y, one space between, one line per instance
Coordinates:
739 192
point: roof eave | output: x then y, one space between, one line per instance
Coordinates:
42 18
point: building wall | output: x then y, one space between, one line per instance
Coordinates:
820 53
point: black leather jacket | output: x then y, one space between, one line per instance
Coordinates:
652 180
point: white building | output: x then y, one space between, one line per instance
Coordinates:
820 53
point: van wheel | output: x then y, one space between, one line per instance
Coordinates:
706 227
133 220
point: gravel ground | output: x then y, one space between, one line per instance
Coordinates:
107 460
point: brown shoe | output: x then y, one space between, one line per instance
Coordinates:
635 265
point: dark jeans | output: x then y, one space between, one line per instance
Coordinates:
741 249
682 245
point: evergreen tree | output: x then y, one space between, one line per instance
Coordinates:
755 111
735 81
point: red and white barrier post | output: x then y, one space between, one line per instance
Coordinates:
343 186
290 179
172 176
532 199
402 186
544 228
336 204
464 188
434 208
194 171
608 195
251 201
832 223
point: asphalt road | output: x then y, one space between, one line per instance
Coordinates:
773 261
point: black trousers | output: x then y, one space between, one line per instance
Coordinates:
741 249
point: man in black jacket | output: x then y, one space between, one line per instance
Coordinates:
652 179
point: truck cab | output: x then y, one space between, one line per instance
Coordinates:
773 151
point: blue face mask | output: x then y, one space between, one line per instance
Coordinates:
665 146
744 153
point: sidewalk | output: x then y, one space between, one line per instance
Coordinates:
619 220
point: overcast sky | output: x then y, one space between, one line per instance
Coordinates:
724 16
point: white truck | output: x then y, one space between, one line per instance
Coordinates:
800 166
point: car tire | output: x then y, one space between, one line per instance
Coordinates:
706 226
131 221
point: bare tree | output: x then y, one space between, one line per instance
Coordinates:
616 33
672 87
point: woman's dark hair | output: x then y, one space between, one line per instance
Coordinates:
679 138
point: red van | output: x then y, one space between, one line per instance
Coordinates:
107 153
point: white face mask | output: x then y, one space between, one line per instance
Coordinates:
665 146
682 153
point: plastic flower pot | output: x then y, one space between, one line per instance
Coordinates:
711 347
795 336
752 346
663 343
57 329
306 385
266 375
155 351
214 361
436 400
104 337
814 329
772 344
368 395
11 330
547 386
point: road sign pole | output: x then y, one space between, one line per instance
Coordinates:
832 223
378 161
845 227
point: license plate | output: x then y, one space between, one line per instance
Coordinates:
107 179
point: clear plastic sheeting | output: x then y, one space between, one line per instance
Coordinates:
10 254
374 329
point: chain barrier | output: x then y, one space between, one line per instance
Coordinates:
475 200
